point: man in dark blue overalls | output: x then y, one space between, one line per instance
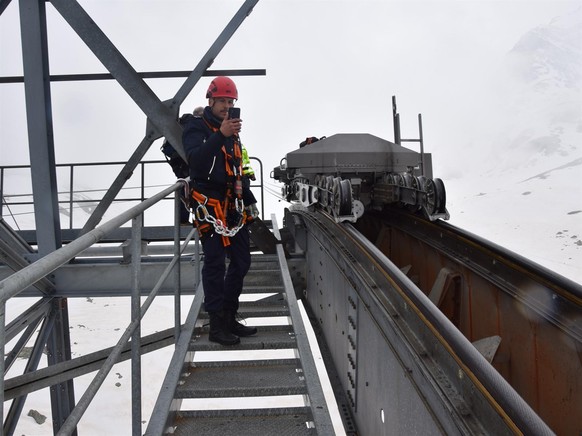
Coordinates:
220 194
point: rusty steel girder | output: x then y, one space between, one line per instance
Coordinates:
532 314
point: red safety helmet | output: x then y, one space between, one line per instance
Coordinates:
222 87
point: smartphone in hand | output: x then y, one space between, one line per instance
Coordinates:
233 112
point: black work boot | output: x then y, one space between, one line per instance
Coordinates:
236 327
219 330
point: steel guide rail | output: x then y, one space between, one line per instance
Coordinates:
509 271
390 309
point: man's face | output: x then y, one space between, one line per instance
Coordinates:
220 106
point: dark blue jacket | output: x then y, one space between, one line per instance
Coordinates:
206 160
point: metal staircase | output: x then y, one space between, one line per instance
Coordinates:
268 382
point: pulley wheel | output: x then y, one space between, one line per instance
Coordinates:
399 180
342 194
323 197
407 180
346 197
441 195
414 183
420 183
431 201
435 196
329 192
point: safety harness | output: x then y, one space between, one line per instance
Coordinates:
231 206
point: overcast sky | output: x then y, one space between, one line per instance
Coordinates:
332 67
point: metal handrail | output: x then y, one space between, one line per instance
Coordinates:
29 275
71 171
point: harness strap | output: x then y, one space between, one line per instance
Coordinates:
235 171
218 211
233 168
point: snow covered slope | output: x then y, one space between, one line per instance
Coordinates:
521 184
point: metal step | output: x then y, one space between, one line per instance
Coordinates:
268 338
250 310
250 378
263 277
262 289
281 422
266 261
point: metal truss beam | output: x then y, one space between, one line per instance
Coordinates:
29 317
58 373
3 5
39 345
208 59
143 75
40 128
44 184
119 67
14 251
58 347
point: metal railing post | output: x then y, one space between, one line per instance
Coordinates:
2 354
71 190
421 140
136 317
197 256
177 268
